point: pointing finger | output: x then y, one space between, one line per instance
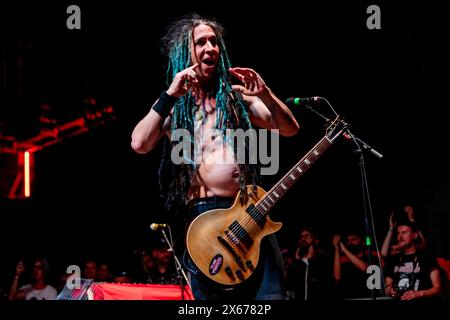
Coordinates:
193 66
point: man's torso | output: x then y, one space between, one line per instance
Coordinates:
217 172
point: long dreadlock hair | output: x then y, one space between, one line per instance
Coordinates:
231 112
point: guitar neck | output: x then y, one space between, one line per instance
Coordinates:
278 190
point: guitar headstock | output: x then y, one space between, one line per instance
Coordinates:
335 129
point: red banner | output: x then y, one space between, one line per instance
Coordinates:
126 291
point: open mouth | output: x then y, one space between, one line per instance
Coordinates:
210 62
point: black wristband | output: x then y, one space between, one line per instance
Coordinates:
164 104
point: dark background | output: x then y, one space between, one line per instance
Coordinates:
93 196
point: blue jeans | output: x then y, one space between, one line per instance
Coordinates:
266 282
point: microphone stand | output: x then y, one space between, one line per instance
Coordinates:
311 109
367 206
177 264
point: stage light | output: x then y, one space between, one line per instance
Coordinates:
26 167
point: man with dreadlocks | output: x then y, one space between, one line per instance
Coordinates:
202 100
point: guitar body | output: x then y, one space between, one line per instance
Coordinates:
225 243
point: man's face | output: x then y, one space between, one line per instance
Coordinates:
103 272
90 270
354 244
38 270
405 236
205 51
148 261
306 239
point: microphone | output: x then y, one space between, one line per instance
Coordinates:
300 101
157 226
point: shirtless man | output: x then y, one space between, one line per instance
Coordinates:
205 88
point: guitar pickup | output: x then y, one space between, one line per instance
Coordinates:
239 234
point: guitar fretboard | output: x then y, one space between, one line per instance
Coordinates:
278 190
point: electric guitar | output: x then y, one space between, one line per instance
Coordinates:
225 243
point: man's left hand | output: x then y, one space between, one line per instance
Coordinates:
410 295
253 84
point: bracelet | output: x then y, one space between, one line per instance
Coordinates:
164 104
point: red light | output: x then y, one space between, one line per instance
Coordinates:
26 167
